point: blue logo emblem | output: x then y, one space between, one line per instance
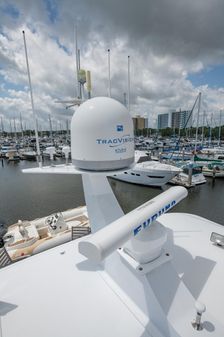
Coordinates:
120 128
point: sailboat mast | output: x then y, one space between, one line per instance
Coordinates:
21 124
203 128
50 123
32 104
10 123
2 126
196 136
15 132
220 117
210 130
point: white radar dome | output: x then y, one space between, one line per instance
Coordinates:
102 135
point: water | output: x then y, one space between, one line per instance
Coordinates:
29 196
205 200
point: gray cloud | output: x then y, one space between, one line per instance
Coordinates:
167 40
176 27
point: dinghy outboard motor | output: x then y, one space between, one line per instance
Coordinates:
3 231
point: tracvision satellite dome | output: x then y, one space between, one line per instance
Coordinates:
102 135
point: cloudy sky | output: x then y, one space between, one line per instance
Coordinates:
176 49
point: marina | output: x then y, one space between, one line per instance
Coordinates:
42 195
111 169
143 249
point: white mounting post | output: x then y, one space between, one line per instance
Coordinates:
129 83
77 63
109 80
51 151
66 150
200 309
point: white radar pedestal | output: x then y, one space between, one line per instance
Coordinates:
147 245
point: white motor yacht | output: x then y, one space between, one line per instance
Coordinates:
143 274
148 172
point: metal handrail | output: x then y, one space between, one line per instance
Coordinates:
5 259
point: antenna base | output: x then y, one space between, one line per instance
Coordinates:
147 245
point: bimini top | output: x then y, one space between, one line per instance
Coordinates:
102 135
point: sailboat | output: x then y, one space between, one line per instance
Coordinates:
142 274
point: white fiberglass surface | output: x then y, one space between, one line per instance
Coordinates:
198 261
58 293
156 166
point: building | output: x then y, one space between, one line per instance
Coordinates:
163 121
140 123
181 119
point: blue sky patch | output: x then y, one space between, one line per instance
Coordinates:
212 76
52 10
60 45
9 86
10 10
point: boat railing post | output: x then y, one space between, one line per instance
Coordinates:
66 150
200 309
213 172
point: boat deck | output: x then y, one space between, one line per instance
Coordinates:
59 293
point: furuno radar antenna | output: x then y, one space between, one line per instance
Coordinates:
136 223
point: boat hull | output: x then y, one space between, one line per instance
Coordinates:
158 178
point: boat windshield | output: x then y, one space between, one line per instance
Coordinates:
197 170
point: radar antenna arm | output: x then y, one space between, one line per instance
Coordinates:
104 242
